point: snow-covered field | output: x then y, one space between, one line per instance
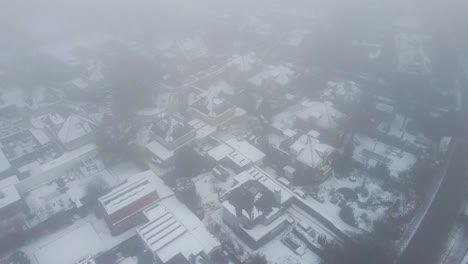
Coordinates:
71 247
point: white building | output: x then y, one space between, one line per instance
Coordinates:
238 154
257 228
175 233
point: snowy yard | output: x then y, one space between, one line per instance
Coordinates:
370 152
71 247
368 200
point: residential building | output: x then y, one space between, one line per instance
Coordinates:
171 131
29 146
254 207
71 130
212 106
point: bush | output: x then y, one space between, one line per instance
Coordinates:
347 215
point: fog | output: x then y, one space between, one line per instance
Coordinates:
260 131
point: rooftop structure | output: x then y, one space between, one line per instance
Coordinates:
248 150
71 130
27 146
254 207
173 231
310 151
203 130
126 201
212 107
172 132
48 171
159 153
123 206
240 153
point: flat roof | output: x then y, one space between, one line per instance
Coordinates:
266 180
224 151
160 151
126 194
174 229
245 148
68 156
8 192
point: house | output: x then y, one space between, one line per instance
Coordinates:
36 173
10 200
32 145
71 130
174 234
254 207
311 153
171 131
123 206
160 154
212 106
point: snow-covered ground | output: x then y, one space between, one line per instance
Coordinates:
71 247
88 235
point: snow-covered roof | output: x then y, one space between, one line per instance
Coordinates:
244 62
73 128
246 149
220 152
68 157
279 74
203 129
309 150
8 192
224 151
173 229
255 173
132 191
4 163
160 151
